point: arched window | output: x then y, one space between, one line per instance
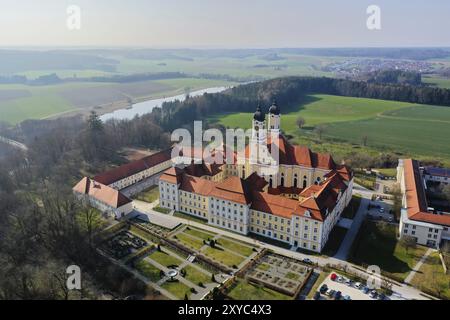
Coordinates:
295 182
282 179
305 184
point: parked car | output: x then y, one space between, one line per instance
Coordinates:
349 282
347 297
307 261
331 292
382 296
381 210
390 219
323 289
365 290
337 295
341 279
358 285
317 295
373 294
333 276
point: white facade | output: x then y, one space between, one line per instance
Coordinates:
117 213
229 215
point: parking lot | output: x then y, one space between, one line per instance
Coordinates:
346 290
380 210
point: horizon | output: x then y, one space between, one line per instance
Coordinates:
216 24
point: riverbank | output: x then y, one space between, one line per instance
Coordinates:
108 108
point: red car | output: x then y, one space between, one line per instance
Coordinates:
333 276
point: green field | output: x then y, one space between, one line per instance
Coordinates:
437 81
411 129
21 102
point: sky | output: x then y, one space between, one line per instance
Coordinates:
224 23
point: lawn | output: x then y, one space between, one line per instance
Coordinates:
292 276
150 195
249 291
199 234
195 276
161 210
164 259
148 270
388 172
334 241
143 234
352 208
190 241
178 289
431 278
263 267
321 278
376 244
222 256
235 247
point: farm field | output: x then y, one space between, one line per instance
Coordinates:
388 125
21 102
437 81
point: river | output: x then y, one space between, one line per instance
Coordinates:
147 106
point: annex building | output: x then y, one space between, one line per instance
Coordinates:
418 220
299 204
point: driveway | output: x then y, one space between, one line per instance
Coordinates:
346 244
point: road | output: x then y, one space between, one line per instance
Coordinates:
406 292
14 143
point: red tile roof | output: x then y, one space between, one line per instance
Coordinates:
101 192
132 168
232 189
416 200
298 155
196 185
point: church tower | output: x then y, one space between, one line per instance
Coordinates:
259 127
274 118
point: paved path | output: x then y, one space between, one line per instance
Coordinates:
402 290
346 244
14 143
417 267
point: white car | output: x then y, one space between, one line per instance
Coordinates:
381 210
358 285
341 279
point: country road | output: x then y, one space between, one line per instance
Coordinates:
14 143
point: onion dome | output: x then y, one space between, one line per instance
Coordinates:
274 109
259 115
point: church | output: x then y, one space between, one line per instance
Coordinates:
296 198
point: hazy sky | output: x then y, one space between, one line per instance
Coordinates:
225 23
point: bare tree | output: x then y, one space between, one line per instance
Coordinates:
364 140
320 130
408 242
300 122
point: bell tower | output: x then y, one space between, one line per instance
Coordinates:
259 127
274 118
